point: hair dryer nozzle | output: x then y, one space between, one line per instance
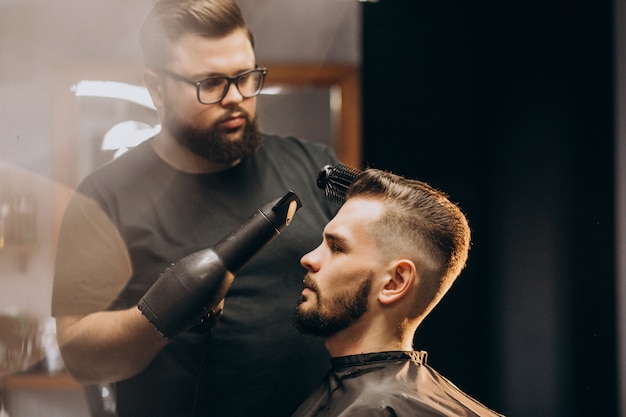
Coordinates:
283 211
237 248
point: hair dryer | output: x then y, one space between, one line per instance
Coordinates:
187 291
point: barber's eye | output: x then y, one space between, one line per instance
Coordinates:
247 79
212 83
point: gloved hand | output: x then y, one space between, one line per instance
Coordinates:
189 289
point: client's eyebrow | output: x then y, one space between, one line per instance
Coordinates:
336 239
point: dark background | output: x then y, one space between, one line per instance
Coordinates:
508 107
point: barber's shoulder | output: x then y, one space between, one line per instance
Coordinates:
319 151
290 140
130 164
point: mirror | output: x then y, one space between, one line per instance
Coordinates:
319 103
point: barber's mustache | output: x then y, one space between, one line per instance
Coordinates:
236 111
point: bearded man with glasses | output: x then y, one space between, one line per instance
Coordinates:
177 193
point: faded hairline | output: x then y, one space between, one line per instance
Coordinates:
419 223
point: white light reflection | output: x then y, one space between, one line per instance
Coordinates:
124 135
113 89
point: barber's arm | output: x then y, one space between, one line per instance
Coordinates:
107 346
92 267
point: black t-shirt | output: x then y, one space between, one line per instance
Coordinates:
253 362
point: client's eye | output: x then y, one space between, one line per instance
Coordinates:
336 248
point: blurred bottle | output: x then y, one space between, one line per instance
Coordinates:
53 362
18 220
23 220
5 214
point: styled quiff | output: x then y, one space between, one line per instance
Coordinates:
169 20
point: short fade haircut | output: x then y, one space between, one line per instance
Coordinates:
169 20
420 223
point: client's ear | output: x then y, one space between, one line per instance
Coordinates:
400 281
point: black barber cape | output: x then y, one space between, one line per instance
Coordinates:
388 384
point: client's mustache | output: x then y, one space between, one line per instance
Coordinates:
308 282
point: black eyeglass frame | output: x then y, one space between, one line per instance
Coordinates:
229 81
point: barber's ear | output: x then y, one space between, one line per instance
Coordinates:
155 87
399 282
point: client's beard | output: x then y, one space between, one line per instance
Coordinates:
213 143
343 310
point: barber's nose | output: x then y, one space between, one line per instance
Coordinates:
232 95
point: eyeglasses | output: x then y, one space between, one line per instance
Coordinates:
212 90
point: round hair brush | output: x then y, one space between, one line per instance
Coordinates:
336 180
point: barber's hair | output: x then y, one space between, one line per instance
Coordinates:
169 20
420 223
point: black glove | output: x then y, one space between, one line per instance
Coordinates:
188 290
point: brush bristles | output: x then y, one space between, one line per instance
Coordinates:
336 180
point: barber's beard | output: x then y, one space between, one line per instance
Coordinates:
332 315
213 142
